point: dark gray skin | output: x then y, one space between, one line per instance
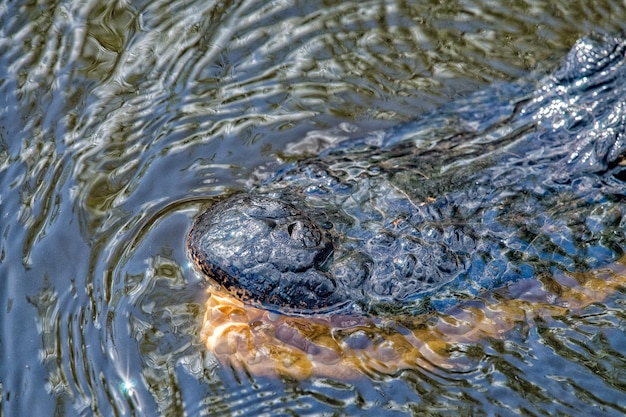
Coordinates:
522 180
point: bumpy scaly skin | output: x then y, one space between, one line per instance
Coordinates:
518 180
252 244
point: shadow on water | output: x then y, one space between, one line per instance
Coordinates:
120 121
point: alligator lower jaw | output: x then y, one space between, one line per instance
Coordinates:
347 347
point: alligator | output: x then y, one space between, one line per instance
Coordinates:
513 182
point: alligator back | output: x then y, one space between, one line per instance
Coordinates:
516 181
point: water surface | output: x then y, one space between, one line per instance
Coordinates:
120 121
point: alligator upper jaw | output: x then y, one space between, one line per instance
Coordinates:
268 253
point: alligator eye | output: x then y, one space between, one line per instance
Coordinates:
326 225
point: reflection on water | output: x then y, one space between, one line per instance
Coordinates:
345 347
119 121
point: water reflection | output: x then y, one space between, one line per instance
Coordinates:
344 347
119 121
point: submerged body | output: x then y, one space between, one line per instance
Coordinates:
521 180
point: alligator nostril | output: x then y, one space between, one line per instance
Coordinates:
294 230
304 233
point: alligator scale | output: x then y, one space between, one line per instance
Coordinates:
517 181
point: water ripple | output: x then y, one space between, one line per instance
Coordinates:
120 120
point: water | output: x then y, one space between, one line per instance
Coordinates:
120 121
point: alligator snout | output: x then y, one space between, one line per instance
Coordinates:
266 251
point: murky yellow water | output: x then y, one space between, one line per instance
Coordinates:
348 347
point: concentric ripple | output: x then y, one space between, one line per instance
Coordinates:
119 121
